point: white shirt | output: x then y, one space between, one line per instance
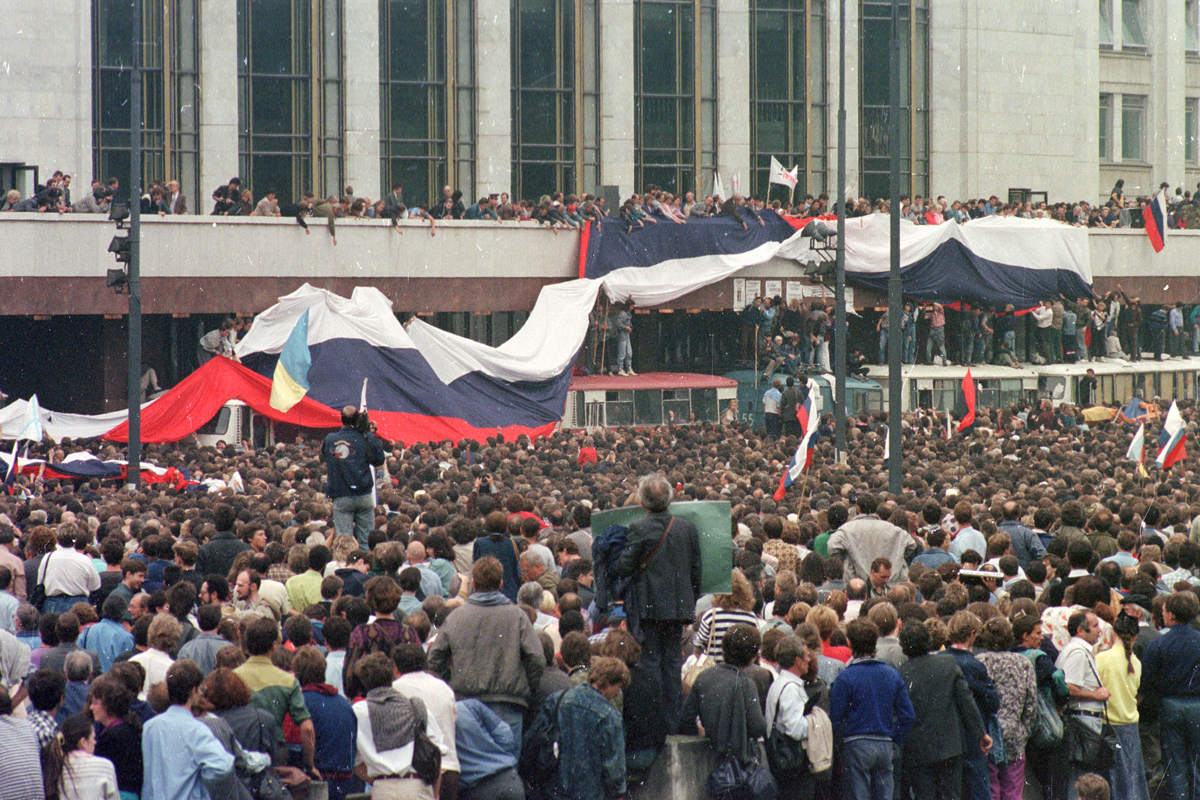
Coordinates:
787 710
1043 315
439 702
396 761
66 571
1078 663
156 663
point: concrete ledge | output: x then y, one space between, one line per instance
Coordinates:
680 772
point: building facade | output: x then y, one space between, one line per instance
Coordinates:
533 96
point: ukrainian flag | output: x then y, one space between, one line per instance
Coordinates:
290 383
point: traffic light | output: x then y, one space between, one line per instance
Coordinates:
121 248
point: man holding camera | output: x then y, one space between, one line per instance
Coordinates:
350 455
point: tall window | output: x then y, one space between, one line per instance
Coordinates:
544 110
778 91
289 96
675 93
1133 127
874 74
1105 137
1191 27
426 60
1132 30
1191 115
170 91
1106 23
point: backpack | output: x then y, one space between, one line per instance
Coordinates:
538 765
1047 729
820 740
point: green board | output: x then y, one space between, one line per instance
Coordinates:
712 521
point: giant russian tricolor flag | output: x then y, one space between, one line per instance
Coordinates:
1172 441
808 414
1156 221
426 384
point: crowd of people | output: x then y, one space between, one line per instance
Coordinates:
439 617
796 336
559 210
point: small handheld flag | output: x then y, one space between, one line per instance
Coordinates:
782 176
809 415
290 382
1137 448
1172 439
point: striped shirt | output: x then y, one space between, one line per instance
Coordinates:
711 631
21 767
88 777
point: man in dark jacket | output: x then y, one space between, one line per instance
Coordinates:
662 560
217 555
964 627
946 717
350 454
725 699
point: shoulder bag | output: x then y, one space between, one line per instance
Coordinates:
1090 749
785 755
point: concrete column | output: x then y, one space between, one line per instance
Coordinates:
1164 132
218 100
46 100
493 98
360 84
617 82
853 184
733 94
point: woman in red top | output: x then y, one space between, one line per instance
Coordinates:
587 453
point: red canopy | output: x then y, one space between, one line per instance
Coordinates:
199 396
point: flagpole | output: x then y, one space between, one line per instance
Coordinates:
895 399
839 311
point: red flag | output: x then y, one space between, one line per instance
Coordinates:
968 388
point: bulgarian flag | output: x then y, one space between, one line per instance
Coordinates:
1172 439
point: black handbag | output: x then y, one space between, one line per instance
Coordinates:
785 755
729 780
426 758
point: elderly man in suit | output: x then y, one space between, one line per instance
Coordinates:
661 559
174 201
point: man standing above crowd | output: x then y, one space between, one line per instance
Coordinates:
662 561
349 455
217 342
771 407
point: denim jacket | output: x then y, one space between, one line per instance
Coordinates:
591 746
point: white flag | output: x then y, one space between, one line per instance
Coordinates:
782 176
718 190
887 443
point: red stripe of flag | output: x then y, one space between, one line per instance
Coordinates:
968 387
1156 222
